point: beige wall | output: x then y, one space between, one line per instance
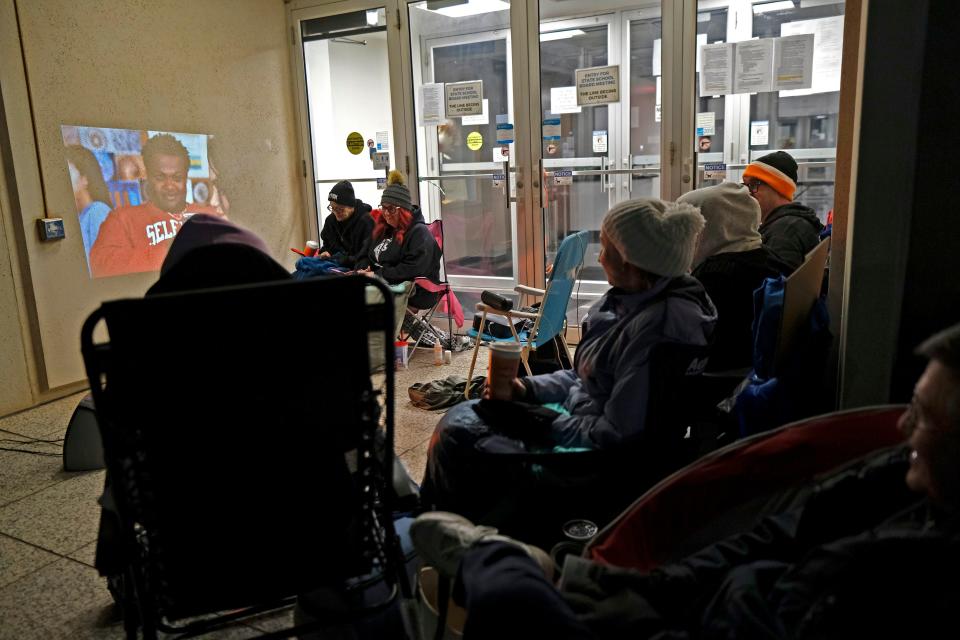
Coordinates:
219 67
15 387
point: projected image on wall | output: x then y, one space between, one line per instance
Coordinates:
133 188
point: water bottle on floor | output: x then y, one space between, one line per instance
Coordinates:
437 353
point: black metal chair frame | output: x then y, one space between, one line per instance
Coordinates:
131 443
442 286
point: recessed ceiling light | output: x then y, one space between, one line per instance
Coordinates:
561 35
471 8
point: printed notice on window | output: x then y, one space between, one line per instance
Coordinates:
464 98
793 62
706 124
598 85
716 73
753 67
430 112
481 119
563 100
828 41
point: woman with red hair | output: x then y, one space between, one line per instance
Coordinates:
402 247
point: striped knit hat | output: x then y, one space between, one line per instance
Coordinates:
396 192
778 170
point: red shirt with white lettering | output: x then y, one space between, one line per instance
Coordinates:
135 239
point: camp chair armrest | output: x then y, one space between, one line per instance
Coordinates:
430 285
507 314
532 291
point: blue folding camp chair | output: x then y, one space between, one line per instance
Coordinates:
549 320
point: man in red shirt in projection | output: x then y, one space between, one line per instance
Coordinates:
135 239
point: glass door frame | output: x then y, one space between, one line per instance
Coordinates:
302 10
608 166
426 45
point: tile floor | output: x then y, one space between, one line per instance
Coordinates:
49 518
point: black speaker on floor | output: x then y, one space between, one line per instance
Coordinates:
82 447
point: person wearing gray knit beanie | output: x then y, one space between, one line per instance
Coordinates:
626 393
658 237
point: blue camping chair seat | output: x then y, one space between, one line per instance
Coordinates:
549 320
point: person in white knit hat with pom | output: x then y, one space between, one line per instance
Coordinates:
614 397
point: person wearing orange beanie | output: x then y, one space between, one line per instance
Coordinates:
788 228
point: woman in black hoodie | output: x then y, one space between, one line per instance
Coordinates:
402 247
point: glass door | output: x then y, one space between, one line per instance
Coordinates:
463 92
347 105
580 143
600 117
716 137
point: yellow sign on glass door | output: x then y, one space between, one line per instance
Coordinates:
355 143
474 141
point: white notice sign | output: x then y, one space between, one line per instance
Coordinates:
498 180
563 100
759 132
598 85
563 177
599 141
430 106
716 76
383 140
483 118
464 98
828 47
793 62
753 68
706 124
381 160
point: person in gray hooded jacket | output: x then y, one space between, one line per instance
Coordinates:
650 329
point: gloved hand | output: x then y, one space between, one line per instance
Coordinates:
520 420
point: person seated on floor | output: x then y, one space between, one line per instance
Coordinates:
873 552
345 234
649 330
731 262
401 247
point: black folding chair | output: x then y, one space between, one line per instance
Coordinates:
229 419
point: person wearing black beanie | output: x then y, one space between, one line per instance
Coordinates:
345 234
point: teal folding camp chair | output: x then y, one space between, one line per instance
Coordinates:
549 320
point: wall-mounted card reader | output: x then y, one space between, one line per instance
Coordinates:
50 229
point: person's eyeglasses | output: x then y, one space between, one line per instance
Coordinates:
336 209
390 208
752 185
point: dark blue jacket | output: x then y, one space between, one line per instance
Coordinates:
607 391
